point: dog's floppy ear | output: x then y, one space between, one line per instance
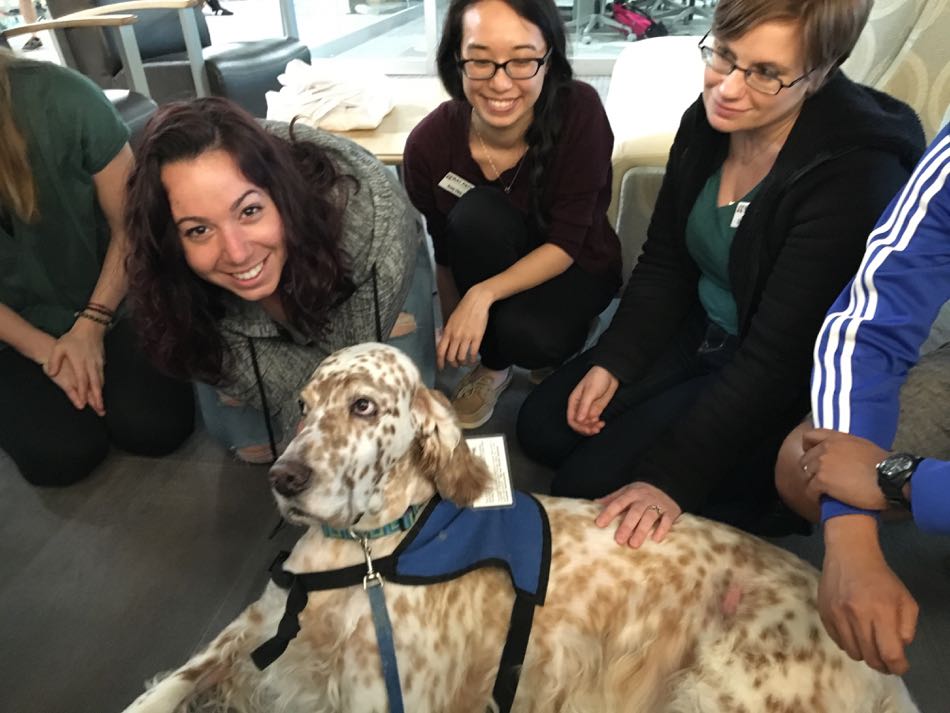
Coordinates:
442 453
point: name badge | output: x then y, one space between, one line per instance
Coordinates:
737 216
456 185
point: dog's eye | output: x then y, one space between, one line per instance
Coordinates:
303 407
363 407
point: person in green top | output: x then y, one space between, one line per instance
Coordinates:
72 377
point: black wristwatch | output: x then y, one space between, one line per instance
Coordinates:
892 475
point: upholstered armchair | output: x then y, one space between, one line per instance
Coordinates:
652 84
171 56
133 107
905 52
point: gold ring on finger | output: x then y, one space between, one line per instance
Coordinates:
657 509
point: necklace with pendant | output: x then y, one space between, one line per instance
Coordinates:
506 189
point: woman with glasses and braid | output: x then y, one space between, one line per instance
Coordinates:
776 175
513 176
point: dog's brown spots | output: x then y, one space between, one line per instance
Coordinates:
452 597
691 596
756 661
799 581
462 477
620 630
334 433
570 529
727 702
401 607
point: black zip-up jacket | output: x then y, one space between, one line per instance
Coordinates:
800 241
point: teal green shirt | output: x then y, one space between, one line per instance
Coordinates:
49 268
709 233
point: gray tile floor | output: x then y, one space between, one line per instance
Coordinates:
108 582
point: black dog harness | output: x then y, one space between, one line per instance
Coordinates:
445 543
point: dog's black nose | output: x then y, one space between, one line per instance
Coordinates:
289 478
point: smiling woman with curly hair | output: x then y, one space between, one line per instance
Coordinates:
257 251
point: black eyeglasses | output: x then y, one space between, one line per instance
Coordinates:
518 68
757 79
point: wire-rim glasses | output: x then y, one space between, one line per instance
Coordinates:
516 68
755 78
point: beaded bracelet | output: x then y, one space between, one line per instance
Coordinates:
94 317
100 308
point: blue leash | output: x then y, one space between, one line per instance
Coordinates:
373 586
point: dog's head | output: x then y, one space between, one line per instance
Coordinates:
373 440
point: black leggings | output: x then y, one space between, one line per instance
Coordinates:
636 418
536 328
53 444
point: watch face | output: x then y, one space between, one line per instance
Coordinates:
896 464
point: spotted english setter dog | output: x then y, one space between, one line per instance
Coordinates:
621 630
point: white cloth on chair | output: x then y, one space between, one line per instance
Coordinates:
330 95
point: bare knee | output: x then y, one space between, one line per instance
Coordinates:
790 479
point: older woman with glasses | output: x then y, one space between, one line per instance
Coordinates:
776 175
513 177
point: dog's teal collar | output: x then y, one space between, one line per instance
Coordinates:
400 525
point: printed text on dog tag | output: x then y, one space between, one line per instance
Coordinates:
494 451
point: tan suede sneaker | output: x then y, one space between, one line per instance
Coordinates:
475 398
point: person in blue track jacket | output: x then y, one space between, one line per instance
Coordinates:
840 469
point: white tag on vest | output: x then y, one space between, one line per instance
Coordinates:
737 216
456 185
494 451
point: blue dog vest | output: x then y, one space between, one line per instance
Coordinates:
446 542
